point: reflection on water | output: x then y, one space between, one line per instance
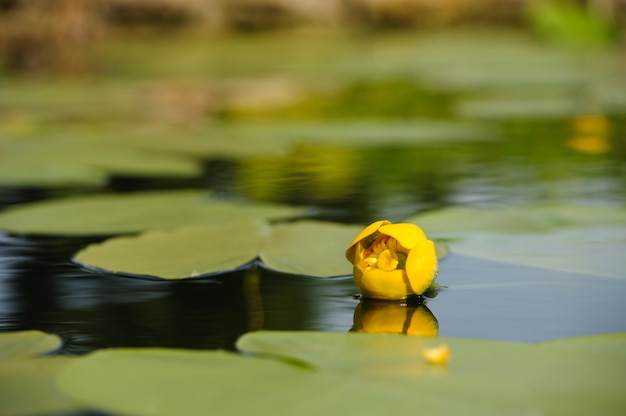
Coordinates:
394 317
522 162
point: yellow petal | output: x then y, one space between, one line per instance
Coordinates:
437 355
408 235
364 235
387 260
422 266
379 284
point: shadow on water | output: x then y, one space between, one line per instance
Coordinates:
484 299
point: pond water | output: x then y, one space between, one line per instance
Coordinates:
41 289
523 158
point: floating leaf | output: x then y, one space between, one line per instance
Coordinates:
26 382
482 374
364 132
23 344
515 107
141 382
452 220
607 345
349 373
571 24
126 213
27 387
180 253
311 248
62 162
576 239
207 143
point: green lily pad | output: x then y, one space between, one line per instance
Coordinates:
607 345
571 24
26 381
308 248
312 373
27 387
23 344
363 132
62 162
450 221
311 248
208 142
126 213
517 106
179 253
140 382
482 374
576 239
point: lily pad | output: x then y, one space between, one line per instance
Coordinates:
308 248
364 132
576 239
140 382
62 162
26 381
180 253
607 345
132 212
514 107
482 374
314 248
311 248
23 344
348 373
27 387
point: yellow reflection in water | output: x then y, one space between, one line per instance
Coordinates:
390 317
590 134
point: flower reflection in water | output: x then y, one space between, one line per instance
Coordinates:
402 317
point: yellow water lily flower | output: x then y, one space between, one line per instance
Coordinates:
392 261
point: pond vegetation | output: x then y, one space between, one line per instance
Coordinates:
175 218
